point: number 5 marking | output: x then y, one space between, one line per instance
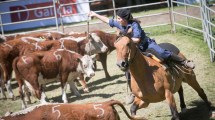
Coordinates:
58 111
96 107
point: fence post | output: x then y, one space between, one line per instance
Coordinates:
114 8
55 12
185 8
206 28
210 33
172 16
61 19
2 27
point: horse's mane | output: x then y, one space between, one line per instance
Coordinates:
148 59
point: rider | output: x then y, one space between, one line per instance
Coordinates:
131 28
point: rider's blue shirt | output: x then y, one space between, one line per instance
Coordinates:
138 32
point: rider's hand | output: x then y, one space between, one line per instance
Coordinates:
91 14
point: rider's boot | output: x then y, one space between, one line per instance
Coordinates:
187 63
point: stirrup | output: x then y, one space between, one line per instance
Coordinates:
189 64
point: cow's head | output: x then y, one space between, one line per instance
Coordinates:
86 64
95 45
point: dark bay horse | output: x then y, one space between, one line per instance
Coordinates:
150 82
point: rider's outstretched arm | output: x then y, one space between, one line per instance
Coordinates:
102 18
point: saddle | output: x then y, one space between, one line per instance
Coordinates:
154 55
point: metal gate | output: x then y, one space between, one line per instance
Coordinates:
206 12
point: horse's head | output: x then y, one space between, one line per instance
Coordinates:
122 49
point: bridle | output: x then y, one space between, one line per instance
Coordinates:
132 58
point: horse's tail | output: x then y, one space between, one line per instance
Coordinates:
116 102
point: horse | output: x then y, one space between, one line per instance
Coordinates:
150 82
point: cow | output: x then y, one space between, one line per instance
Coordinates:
43 35
61 111
108 39
42 67
91 45
11 49
87 47
8 51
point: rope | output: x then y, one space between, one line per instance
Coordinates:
88 32
88 27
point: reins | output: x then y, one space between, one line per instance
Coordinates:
131 60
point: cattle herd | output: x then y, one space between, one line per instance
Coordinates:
40 58
45 57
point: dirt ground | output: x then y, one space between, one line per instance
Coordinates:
116 88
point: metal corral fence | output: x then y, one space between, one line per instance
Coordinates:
53 6
205 12
204 18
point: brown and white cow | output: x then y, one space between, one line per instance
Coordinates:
87 47
42 67
8 51
11 49
91 45
62 111
48 35
108 39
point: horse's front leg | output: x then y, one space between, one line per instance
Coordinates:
137 104
171 101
